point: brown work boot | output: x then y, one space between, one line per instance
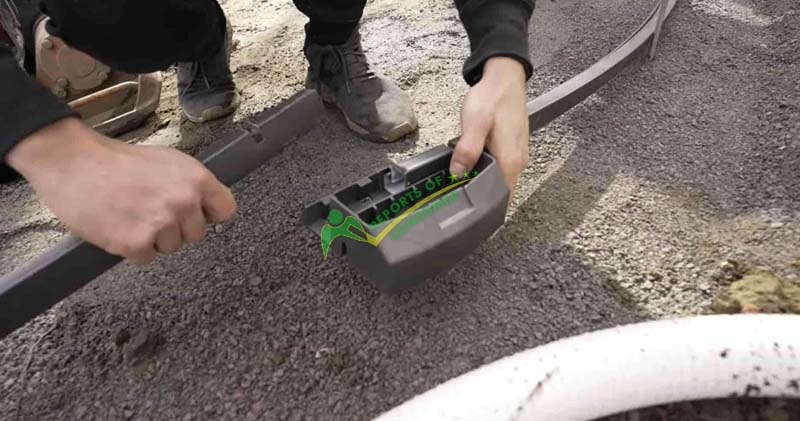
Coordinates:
205 88
374 107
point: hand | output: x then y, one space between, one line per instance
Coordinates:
131 201
495 117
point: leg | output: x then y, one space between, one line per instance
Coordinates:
332 21
373 106
140 36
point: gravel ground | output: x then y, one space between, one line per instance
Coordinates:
635 206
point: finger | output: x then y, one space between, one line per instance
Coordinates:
169 240
218 202
193 226
475 127
142 255
135 246
511 152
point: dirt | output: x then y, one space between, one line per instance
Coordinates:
759 291
633 207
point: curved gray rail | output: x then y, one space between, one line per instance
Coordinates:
548 106
73 263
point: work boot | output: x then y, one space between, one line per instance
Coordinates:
374 107
205 89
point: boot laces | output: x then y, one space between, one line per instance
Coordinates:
349 59
199 73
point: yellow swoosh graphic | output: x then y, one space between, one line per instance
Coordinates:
377 240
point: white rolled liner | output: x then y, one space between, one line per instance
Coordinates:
624 368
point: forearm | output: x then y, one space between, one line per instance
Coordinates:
44 151
25 107
495 28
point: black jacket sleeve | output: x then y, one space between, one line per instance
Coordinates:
25 106
495 28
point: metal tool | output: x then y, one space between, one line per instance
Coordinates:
72 263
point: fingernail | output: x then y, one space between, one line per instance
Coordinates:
457 169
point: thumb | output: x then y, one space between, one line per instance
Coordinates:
475 128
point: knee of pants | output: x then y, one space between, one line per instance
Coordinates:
139 36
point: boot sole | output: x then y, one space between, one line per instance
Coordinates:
396 133
214 113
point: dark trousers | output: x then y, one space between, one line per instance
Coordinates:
141 36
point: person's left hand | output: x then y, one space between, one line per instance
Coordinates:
495 117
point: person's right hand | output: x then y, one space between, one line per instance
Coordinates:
131 201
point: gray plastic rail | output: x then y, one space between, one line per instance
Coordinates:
71 264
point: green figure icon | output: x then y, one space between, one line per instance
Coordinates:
339 226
